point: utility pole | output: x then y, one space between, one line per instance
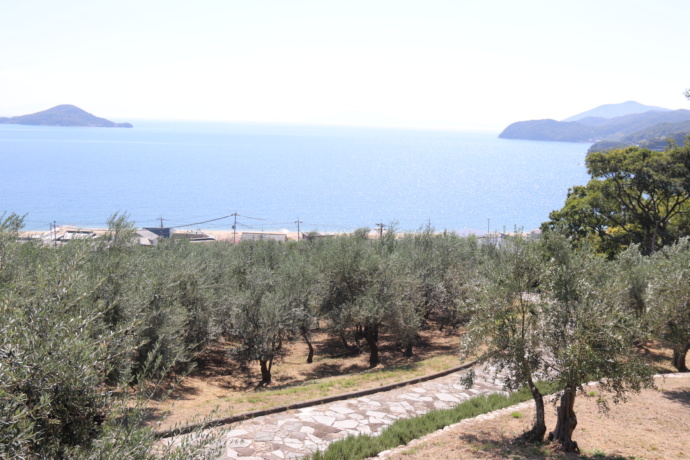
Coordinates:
298 222
54 234
234 228
161 219
381 227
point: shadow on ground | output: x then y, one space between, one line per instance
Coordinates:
499 446
680 396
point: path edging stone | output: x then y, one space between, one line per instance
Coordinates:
312 402
489 415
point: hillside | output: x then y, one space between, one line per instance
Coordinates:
63 115
646 128
550 130
655 137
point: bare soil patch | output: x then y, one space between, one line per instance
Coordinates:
651 425
220 384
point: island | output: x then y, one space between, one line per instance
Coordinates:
63 115
609 126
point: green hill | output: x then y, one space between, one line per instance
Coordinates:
656 137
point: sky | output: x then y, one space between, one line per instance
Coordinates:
456 64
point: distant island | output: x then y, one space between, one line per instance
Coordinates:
610 126
63 115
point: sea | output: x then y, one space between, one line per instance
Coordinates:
263 177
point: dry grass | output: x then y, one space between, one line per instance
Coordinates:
221 384
651 425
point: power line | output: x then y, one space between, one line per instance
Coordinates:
248 217
196 223
298 222
381 227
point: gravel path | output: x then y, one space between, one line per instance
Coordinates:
301 432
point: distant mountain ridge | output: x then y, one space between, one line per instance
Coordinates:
649 127
63 115
616 110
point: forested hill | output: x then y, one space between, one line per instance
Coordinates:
610 126
63 115
592 129
656 137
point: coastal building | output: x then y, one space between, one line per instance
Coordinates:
193 237
315 235
163 232
76 235
147 237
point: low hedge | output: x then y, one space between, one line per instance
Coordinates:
405 430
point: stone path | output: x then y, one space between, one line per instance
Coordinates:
294 434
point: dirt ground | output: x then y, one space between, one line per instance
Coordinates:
220 384
651 425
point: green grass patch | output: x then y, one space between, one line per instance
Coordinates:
358 381
403 431
255 399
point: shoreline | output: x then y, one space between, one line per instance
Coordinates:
65 233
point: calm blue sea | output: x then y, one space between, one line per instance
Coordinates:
330 178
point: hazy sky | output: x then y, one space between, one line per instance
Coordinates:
431 63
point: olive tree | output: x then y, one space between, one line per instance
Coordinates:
669 299
295 292
57 349
388 303
587 334
445 267
506 324
346 264
366 285
260 321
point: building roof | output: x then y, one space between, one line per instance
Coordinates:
77 235
147 237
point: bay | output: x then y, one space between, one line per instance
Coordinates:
330 178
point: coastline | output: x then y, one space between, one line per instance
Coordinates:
62 234
217 235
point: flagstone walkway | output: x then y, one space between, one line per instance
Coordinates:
300 432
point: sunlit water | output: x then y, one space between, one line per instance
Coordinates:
330 178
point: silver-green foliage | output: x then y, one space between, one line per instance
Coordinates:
669 299
506 324
60 344
589 328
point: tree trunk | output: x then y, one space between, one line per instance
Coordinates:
310 357
265 371
679 355
408 351
566 422
371 335
343 339
536 434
